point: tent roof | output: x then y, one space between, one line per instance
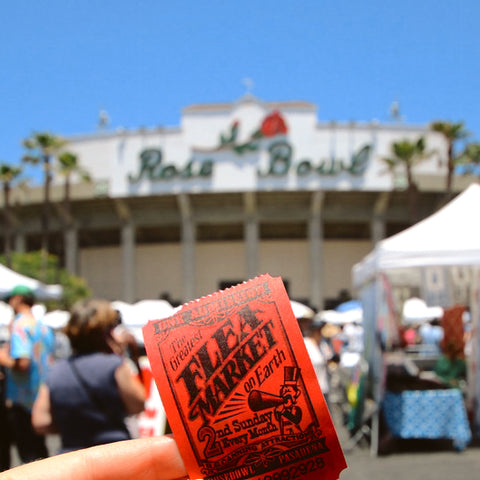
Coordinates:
451 236
10 278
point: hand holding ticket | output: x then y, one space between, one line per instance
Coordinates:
239 389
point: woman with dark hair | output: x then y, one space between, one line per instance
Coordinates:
88 395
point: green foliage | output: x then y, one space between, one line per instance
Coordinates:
30 264
452 133
471 154
405 155
68 161
68 164
8 173
409 153
74 288
450 130
42 143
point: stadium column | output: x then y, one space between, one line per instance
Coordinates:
20 243
188 239
128 235
251 235
377 224
70 237
315 240
128 261
71 249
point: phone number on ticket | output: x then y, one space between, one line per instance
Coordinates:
295 471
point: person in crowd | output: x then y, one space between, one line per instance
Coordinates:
155 458
27 359
319 352
354 333
126 345
87 396
450 366
4 435
431 334
410 336
337 337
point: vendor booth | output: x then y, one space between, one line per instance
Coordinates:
438 260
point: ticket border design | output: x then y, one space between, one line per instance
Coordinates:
311 443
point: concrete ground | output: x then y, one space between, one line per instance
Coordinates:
410 460
406 460
413 465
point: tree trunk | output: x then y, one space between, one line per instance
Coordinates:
412 197
450 169
45 216
66 196
8 226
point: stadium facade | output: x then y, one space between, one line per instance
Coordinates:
237 189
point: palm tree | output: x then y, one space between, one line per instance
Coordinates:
406 155
8 174
67 166
470 158
42 147
452 132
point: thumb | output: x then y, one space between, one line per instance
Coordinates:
155 458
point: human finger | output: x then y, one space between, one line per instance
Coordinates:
154 458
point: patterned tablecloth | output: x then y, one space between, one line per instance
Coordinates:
428 414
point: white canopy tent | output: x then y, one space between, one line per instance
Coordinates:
301 311
10 278
446 242
135 316
451 236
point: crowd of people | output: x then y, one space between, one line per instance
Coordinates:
446 339
335 351
85 397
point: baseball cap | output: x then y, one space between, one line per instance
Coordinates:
20 290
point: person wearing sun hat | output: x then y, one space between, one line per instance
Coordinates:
319 352
27 359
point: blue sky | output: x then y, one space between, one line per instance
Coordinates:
143 61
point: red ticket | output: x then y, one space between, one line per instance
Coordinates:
240 392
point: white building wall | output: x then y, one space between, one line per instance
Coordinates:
158 267
102 269
116 155
158 271
288 259
218 261
338 259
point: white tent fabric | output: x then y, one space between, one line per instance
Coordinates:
6 314
138 314
301 311
448 238
416 311
56 319
341 318
10 278
451 236
135 316
39 310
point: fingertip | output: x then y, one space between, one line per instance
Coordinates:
166 460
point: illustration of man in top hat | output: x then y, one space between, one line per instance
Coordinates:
289 414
